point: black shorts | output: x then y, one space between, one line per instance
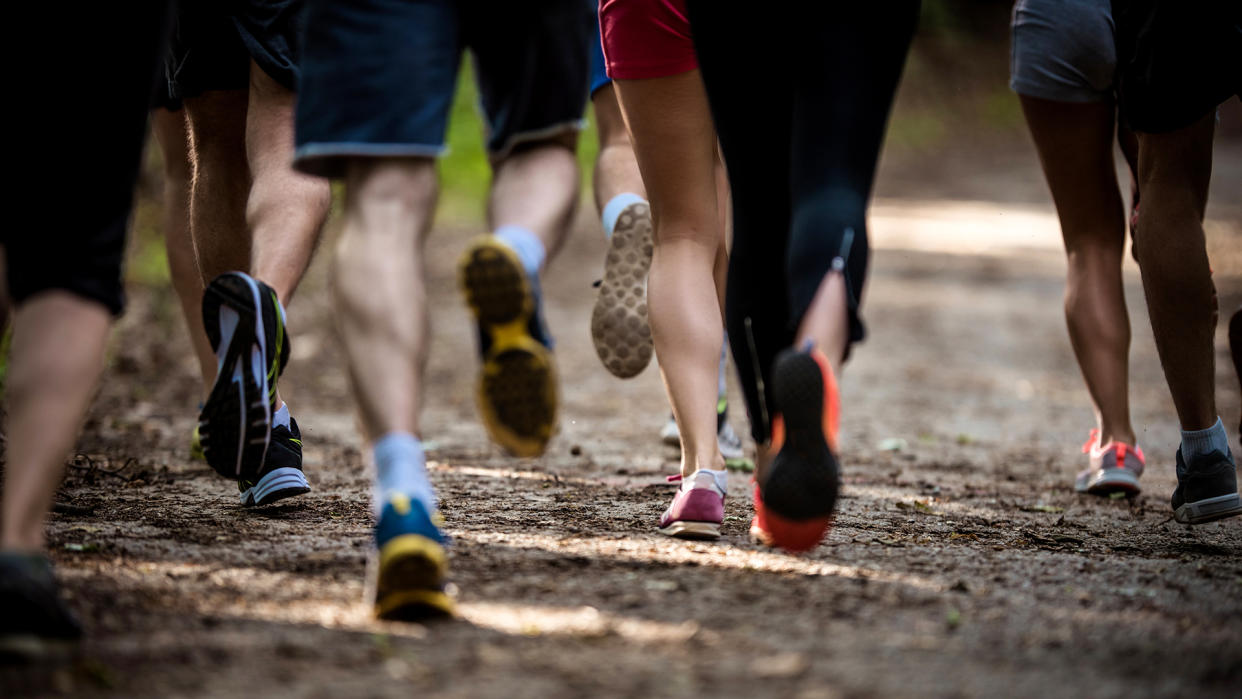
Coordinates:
214 41
74 238
1176 60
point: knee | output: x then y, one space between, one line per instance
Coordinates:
390 189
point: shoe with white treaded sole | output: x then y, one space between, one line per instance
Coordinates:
619 325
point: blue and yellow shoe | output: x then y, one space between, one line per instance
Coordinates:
410 567
517 387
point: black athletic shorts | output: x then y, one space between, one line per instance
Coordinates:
214 40
72 235
1176 60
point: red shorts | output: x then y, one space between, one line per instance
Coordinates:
645 38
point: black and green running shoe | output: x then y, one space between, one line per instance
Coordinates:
246 326
35 623
281 476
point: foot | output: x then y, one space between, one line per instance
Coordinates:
410 564
281 476
619 325
697 510
1112 468
1207 489
795 500
517 387
35 624
246 327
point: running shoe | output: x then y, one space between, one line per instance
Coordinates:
795 502
246 326
410 563
727 439
1207 489
619 325
697 510
1112 468
35 623
517 386
281 476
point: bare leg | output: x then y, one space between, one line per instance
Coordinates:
676 150
1174 170
221 183
616 168
381 295
536 187
170 131
286 209
1075 143
54 363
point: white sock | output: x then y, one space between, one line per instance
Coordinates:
709 478
401 467
526 244
614 207
1196 443
281 417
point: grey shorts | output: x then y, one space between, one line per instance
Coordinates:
1063 50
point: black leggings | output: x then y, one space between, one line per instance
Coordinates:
800 101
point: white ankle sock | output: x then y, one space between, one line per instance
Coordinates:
1196 443
281 417
526 244
614 207
400 467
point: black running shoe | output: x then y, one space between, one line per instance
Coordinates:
35 623
281 476
1207 489
246 327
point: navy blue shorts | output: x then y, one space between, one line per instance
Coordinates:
214 41
379 75
599 71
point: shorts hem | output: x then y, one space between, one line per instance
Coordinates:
328 159
1058 94
517 139
647 71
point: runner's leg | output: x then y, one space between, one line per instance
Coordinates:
1174 169
170 130
1075 144
676 150
286 209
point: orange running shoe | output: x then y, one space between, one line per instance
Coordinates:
794 504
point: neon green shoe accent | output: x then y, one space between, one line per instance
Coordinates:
722 404
196 446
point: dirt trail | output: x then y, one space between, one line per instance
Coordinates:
960 565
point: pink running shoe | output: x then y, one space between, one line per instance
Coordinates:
1113 468
698 507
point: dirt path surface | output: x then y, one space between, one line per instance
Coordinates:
961 563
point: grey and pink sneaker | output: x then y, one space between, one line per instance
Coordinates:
1113 468
698 507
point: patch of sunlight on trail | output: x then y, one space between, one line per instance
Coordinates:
962 227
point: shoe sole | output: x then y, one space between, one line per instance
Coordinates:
699 531
516 392
409 580
235 424
619 325
802 483
1209 509
279 484
1112 481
